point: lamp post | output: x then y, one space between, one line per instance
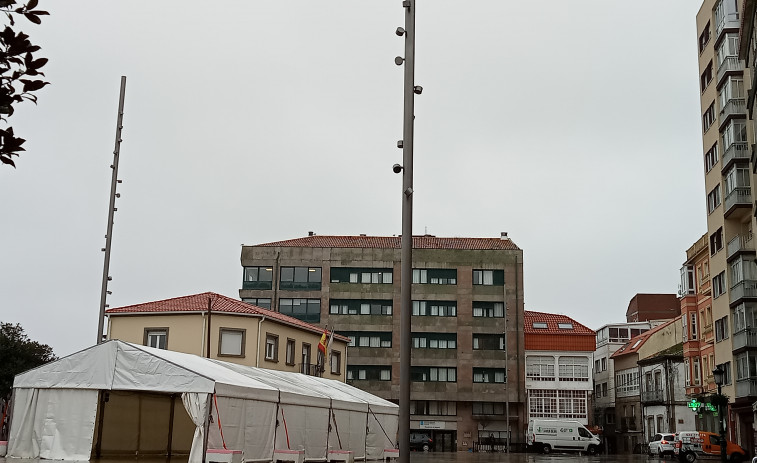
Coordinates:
718 373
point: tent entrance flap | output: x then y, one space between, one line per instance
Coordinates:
142 423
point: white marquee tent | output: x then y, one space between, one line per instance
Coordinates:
120 398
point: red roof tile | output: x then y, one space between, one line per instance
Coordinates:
552 320
219 303
393 242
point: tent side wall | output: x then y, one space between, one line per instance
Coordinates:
248 425
56 424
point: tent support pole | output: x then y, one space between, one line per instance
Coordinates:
100 420
207 428
170 425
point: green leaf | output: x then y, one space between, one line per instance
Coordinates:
32 4
38 63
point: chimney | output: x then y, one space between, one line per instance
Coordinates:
503 236
310 233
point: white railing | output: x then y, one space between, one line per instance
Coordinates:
736 150
740 243
739 195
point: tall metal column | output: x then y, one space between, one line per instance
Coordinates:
113 195
407 227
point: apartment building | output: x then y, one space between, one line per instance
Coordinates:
698 330
219 327
609 339
726 148
468 362
559 353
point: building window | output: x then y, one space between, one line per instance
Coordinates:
489 375
271 347
435 276
360 307
300 278
488 408
540 368
433 407
716 241
435 308
604 363
746 366
231 342
697 372
435 340
488 309
706 77
598 390
361 275
708 117
264 302
721 329
727 377
704 37
156 337
711 158
627 382
369 373
718 285
597 366
336 362
693 326
734 134
573 368
258 278
290 351
604 389
368 338
433 374
489 277
687 371
713 199
488 341
307 310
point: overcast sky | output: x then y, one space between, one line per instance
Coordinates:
574 126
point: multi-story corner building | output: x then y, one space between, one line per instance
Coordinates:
629 413
726 135
219 327
609 339
559 353
698 333
468 362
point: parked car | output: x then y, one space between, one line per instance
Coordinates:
662 444
690 445
420 441
560 435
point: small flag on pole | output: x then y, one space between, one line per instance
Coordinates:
322 344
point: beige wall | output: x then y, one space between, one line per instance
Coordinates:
188 333
663 338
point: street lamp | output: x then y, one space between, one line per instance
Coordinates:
718 373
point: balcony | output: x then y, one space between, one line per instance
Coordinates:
653 396
733 107
736 151
729 64
746 387
311 369
738 202
743 289
740 244
744 339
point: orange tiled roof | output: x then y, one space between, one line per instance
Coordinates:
393 242
219 303
552 320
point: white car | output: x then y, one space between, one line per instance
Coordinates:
661 445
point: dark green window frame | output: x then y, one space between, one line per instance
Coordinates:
434 308
360 307
369 373
433 374
434 340
260 277
300 278
361 275
488 309
379 339
435 276
483 341
489 277
264 302
307 310
490 375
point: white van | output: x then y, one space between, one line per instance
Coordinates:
561 435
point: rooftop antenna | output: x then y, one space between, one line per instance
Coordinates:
113 195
